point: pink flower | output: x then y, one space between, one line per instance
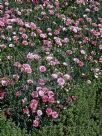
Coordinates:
69 52
74 29
58 41
57 3
68 22
65 40
100 59
30 81
57 31
26 68
41 82
43 36
67 77
24 36
42 69
72 98
1 7
15 38
26 111
24 100
22 30
27 24
2 24
33 26
41 92
25 43
45 98
51 100
30 56
54 114
100 47
60 81
80 1
49 111
36 57
17 64
49 29
18 93
35 1
50 93
81 64
39 31
34 105
2 95
54 76
51 12
3 46
4 82
39 112
36 123
34 94
45 90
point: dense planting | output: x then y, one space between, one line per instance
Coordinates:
45 49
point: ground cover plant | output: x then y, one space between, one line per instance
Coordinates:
47 50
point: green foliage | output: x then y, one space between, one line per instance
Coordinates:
7 128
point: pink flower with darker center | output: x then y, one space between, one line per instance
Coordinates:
39 31
15 38
36 123
25 43
34 105
30 56
51 100
55 114
26 68
43 36
41 82
81 64
26 111
68 22
45 98
1 7
29 81
50 93
49 111
60 81
33 26
34 94
24 36
45 90
42 69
